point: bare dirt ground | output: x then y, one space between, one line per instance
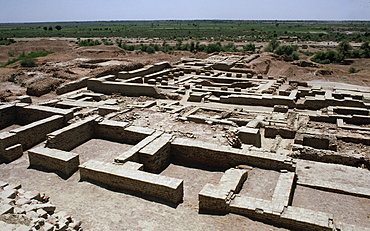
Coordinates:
261 183
71 62
349 209
102 150
103 209
168 122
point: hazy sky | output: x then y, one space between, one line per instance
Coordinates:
95 10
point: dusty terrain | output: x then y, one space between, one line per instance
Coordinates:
100 208
71 62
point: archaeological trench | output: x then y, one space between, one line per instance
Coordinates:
213 114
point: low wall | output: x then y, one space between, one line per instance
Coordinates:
315 103
262 100
121 177
34 133
72 86
156 155
10 148
144 71
133 153
121 132
127 89
30 114
225 157
285 132
7 115
328 156
216 198
64 163
73 135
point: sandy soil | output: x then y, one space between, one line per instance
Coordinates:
261 183
168 122
349 209
103 209
102 150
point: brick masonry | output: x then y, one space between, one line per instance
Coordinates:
122 177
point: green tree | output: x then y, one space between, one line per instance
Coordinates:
272 46
249 47
285 50
58 27
150 50
45 28
365 50
343 48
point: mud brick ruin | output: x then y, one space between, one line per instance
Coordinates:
305 135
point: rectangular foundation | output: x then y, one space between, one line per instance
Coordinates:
121 177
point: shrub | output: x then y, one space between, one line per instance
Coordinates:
272 46
214 47
343 48
11 53
30 55
285 50
327 57
308 53
249 47
6 41
88 42
295 56
28 63
353 70
150 50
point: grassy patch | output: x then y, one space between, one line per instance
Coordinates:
31 55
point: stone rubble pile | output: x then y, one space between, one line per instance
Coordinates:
22 210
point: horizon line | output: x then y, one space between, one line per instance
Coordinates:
148 20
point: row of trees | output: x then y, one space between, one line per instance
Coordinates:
344 50
51 28
274 46
192 47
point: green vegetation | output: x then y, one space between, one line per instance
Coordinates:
353 70
249 47
308 53
345 50
286 50
28 63
327 57
29 56
272 46
88 42
211 30
6 41
363 52
190 46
